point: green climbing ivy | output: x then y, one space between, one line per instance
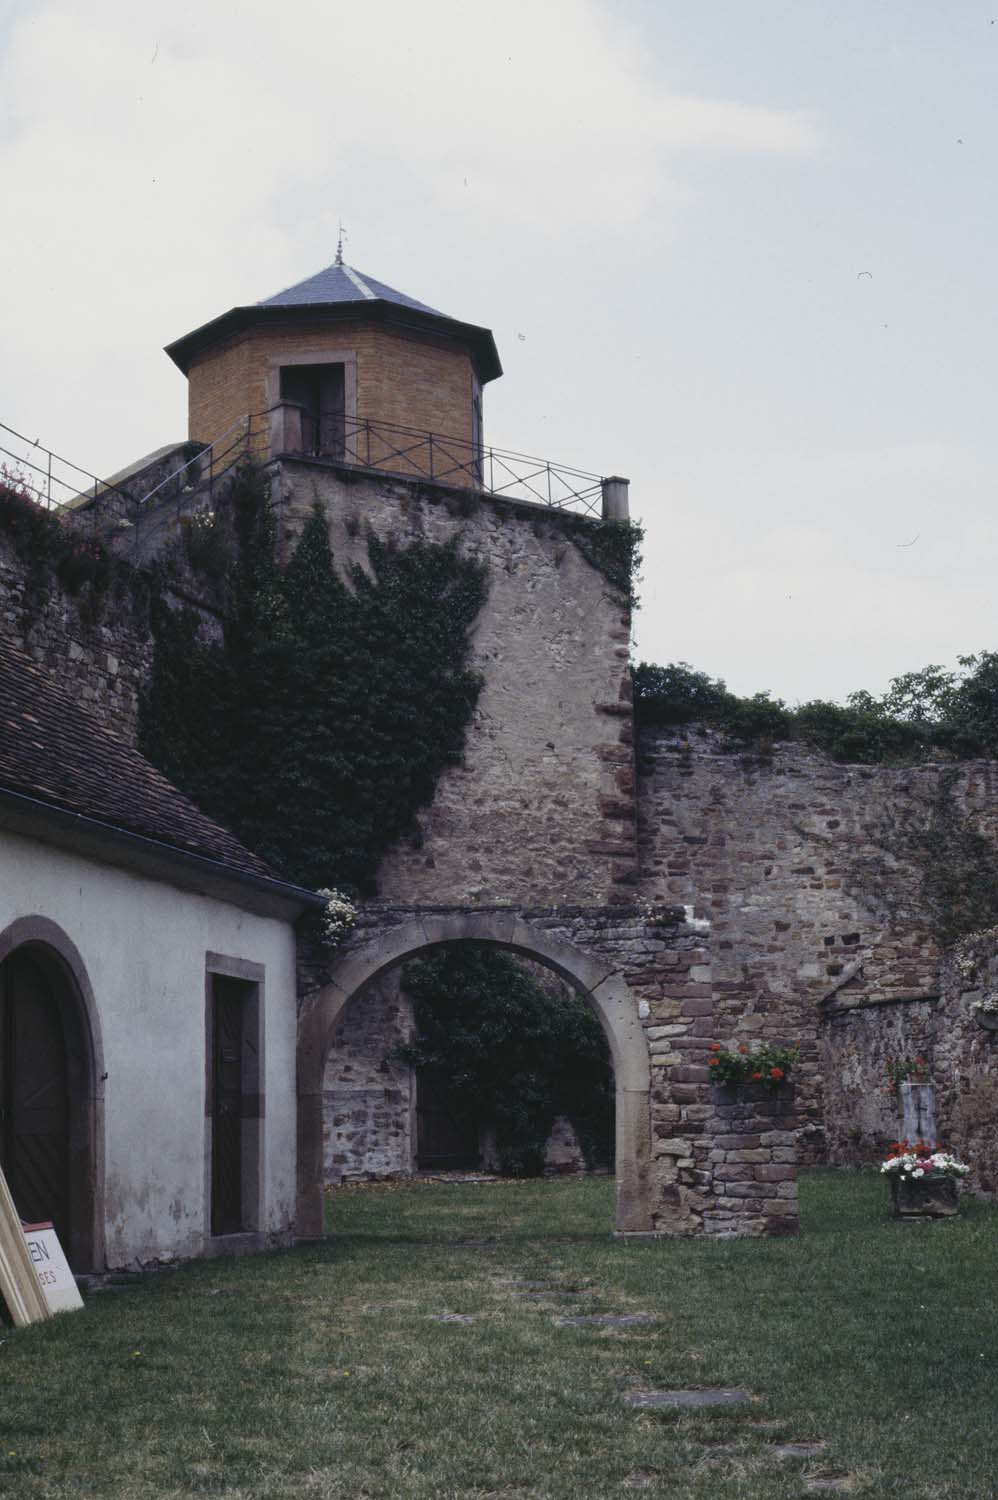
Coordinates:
512 1052
612 547
319 723
53 553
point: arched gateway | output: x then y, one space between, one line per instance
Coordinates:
593 976
689 1159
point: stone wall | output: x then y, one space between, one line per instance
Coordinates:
100 661
861 1111
368 1101
542 808
817 907
965 1069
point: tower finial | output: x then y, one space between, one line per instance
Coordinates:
339 245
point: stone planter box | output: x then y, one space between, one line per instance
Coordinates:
924 1198
988 1019
752 1093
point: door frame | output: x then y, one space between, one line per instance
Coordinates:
56 954
254 1175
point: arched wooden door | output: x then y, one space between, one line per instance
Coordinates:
35 1095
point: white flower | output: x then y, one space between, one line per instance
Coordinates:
918 1172
338 918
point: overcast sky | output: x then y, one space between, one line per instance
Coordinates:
741 251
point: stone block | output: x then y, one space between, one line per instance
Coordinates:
774 1174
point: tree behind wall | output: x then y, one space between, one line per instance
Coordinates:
512 1051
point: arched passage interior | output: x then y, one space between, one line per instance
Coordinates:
589 973
49 1116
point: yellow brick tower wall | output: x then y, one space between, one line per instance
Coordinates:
405 378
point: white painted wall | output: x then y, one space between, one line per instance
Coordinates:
143 944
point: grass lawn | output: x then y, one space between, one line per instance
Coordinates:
326 1372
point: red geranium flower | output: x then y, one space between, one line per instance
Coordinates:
743 1048
715 1062
776 1073
756 1077
715 1046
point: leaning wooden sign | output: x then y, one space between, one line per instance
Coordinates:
35 1279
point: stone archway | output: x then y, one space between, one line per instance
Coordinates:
594 975
38 953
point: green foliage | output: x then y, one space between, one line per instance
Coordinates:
612 547
929 713
512 1051
678 694
764 1064
319 724
898 1070
52 551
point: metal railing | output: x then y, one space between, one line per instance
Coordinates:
412 452
52 481
290 430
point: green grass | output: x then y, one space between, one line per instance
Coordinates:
321 1372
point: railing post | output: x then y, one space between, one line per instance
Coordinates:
616 503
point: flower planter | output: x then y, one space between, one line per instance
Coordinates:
924 1197
750 1093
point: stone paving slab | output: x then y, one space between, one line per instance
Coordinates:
830 1483
605 1320
452 1317
686 1399
800 1450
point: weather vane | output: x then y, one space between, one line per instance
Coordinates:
339 244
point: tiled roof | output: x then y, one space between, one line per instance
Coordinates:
339 283
56 752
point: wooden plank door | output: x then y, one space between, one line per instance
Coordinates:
226 1108
34 1095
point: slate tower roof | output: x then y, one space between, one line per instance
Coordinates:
340 283
331 295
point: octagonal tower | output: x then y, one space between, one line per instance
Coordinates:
342 367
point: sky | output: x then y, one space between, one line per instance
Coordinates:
740 251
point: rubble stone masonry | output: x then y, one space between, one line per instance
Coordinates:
819 926
101 662
542 807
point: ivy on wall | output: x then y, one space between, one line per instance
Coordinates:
613 548
511 1052
56 555
319 722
